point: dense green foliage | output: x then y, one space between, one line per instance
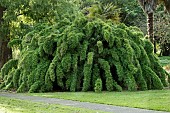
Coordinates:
98 85
75 53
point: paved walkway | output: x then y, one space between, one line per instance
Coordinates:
93 106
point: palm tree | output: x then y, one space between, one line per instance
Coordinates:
104 11
149 6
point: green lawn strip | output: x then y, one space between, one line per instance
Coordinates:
153 99
165 60
8 105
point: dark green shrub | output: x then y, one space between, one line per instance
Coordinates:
16 78
73 86
35 87
155 81
87 76
59 75
73 54
98 85
95 74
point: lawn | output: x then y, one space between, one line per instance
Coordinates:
8 105
165 60
153 99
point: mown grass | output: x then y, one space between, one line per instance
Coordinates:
154 100
165 60
8 105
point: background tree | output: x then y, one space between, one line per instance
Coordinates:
20 16
149 6
162 34
5 52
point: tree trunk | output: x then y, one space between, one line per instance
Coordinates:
5 52
150 26
150 29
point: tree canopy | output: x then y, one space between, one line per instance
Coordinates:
77 49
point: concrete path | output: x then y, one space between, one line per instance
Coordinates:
93 106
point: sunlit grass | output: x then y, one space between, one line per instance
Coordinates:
8 105
165 60
155 100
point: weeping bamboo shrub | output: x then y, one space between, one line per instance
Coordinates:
83 55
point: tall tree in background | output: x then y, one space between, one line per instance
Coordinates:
5 52
149 7
162 34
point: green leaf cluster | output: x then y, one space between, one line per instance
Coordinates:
80 54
